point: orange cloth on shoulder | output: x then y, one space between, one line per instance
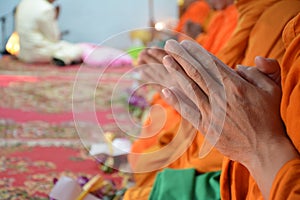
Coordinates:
175 127
287 183
236 181
219 30
258 32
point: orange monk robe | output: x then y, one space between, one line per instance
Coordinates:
189 158
287 182
179 153
258 32
219 30
236 182
163 121
217 36
198 12
165 127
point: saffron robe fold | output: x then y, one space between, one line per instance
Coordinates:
236 182
175 127
176 145
220 29
287 183
258 32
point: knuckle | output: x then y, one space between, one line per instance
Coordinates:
192 71
192 88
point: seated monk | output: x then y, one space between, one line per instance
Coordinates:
252 43
254 36
198 13
263 153
273 45
152 139
284 183
155 56
213 34
216 34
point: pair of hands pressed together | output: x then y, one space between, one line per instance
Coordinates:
238 111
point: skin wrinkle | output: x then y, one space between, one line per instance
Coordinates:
209 129
238 87
203 57
174 68
178 57
206 60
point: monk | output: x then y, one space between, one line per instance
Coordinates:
174 145
213 43
199 13
174 129
248 41
265 151
285 182
252 44
214 33
220 27
273 45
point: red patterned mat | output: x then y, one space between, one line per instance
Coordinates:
39 139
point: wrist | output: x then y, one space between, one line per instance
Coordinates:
268 160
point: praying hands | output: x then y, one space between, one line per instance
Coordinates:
238 111
152 70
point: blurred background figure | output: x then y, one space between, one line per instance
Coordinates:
39 34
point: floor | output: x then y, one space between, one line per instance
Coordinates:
49 117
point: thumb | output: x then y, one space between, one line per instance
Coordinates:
269 67
257 78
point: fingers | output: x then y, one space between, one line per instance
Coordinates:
156 71
151 55
188 86
181 103
269 67
258 79
145 58
193 69
157 53
266 74
146 74
214 67
151 79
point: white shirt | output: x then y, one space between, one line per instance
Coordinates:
39 34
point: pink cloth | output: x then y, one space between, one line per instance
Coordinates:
102 56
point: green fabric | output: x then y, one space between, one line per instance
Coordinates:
134 52
184 184
208 186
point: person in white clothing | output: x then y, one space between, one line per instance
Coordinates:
39 34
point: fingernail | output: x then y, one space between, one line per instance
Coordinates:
166 92
259 57
150 51
170 44
167 60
